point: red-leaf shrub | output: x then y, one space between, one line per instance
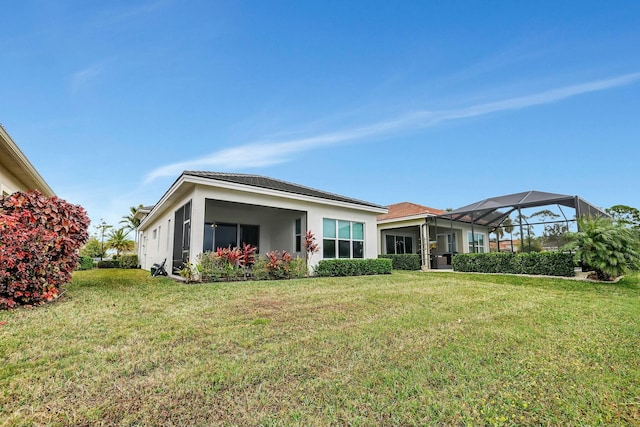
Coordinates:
278 266
39 241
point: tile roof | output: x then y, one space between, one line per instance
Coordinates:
279 185
407 209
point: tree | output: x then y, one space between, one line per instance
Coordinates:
118 240
527 230
131 223
92 248
554 232
625 215
606 246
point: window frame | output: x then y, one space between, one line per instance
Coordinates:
403 239
334 240
473 242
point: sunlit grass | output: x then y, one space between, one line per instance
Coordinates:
122 348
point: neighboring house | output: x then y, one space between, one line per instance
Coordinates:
203 211
505 245
408 228
16 172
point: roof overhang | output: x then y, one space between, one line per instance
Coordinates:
187 182
14 160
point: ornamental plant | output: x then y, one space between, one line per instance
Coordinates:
226 259
39 241
310 246
278 266
607 247
233 262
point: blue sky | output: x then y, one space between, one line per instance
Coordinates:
435 102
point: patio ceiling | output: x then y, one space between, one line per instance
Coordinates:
493 211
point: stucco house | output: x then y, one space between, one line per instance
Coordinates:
16 171
409 228
202 211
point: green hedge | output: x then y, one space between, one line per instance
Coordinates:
353 267
109 263
129 261
544 263
404 261
86 263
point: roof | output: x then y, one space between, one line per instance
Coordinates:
278 185
142 212
408 209
14 160
487 212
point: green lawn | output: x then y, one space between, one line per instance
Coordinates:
122 348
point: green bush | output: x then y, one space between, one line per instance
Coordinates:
129 261
404 261
109 263
259 269
298 268
540 263
86 263
353 267
609 248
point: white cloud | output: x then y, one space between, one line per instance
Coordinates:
80 79
261 154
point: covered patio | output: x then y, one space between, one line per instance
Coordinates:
492 213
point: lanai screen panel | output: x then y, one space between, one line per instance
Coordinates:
493 211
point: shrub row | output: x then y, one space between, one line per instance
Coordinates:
353 267
544 263
86 263
109 263
129 261
404 261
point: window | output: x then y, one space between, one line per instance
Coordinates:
478 239
298 235
221 235
399 244
446 243
154 233
342 239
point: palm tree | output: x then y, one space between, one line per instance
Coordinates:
608 247
118 241
131 223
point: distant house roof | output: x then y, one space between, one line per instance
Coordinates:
407 209
279 185
14 161
506 244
